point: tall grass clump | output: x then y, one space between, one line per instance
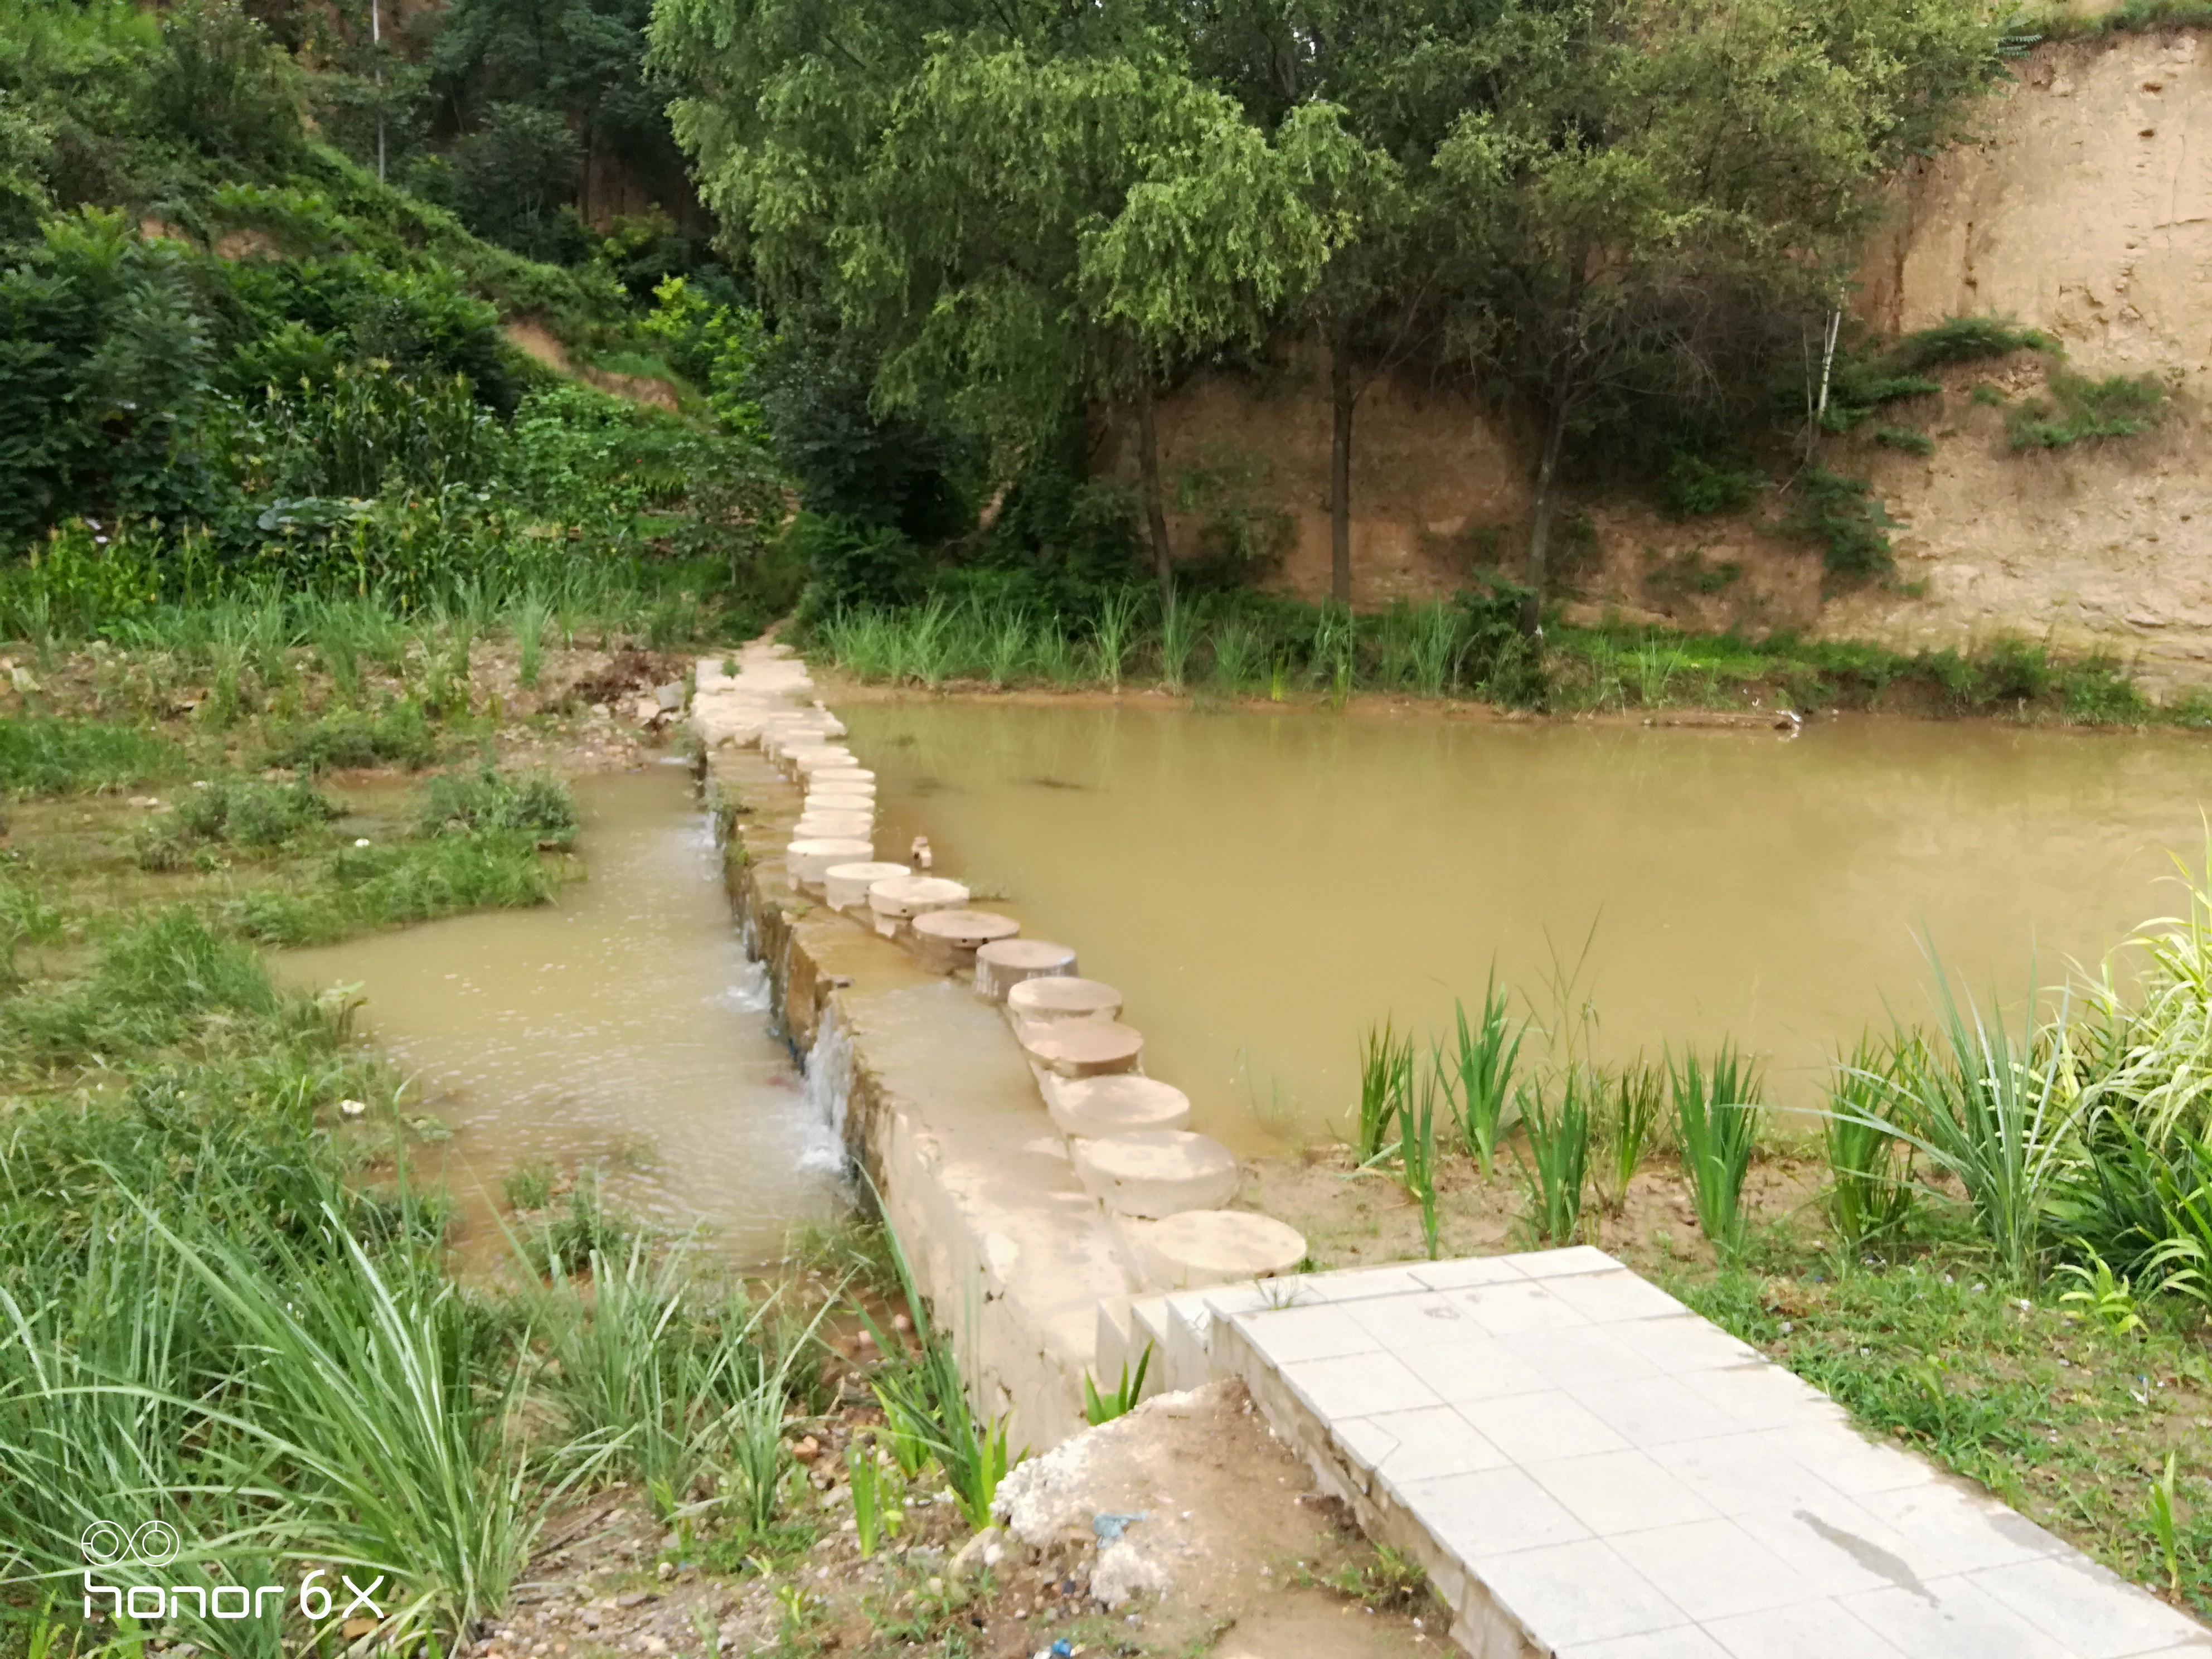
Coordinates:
1556 1167
1973 1102
1482 1072
1870 1169
1632 1123
1416 1154
349 738
535 805
1386 1076
246 814
43 755
1717 1123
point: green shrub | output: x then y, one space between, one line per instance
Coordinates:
239 812
2098 691
1695 487
1964 340
2120 407
1850 522
42 755
852 564
350 738
1910 439
538 806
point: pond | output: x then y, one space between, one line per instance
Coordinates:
620 1031
1263 886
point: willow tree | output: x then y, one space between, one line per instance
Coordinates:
1019 228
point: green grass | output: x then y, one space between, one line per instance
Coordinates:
349 738
1717 1122
2080 409
534 804
42 755
242 814
363 888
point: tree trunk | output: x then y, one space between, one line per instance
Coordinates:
1155 511
1539 524
1339 476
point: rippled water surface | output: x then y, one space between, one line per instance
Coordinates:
622 1031
1262 886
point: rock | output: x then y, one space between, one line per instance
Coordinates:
352 1108
1057 997
671 696
1124 1570
1198 1248
807 1450
1004 964
636 1599
1118 1105
1153 1173
645 710
986 1549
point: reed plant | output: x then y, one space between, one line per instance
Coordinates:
1181 625
1556 1167
1417 1151
1975 1105
1006 645
531 615
1635 1101
1432 649
1113 632
1870 1169
1717 1124
1482 1066
1237 648
1386 1074
43 755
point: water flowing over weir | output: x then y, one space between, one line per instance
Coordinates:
621 1033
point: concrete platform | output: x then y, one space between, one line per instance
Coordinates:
1588 1470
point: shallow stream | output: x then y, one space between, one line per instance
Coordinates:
622 1031
1262 886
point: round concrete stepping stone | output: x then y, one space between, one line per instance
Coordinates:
1056 997
807 861
1198 1248
1081 1047
947 940
841 777
900 899
1154 1173
815 826
1119 1105
1005 962
846 885
820 757
840 800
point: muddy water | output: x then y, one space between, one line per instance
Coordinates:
622 1031
1263 886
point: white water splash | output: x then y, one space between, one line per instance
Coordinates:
828 1090
753 992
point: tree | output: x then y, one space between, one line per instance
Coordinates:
1019 227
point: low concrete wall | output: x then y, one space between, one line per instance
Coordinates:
941 1112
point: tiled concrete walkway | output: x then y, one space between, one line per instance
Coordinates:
1588 1469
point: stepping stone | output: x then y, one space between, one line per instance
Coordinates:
1119 1105
1217 1247
841 777
1081 1047
815 825
816 758
900 899
846 885
839 800
807 861
1154 1173
1053 998
947 940
1005 962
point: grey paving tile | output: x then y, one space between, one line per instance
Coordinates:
1950 1530
2095 1613
1509 1310
1295 1334
1680 1641
1620 1492
1433 1441
1952 1618
1763 1395
1810 1629
1576 1259
1549 1590
1607 1296
1712 1569
1475 1368
1836 1546
1652 1411
1686 1344
1739 1473
1357 1385
1468 1271
1404 1323
1490 1512
1540 1428
1578 1353
1355 1284
1851 1463
1226 1301
1363 1441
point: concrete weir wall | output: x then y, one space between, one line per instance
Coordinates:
1037 1181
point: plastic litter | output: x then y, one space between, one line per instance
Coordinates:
1108 1527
